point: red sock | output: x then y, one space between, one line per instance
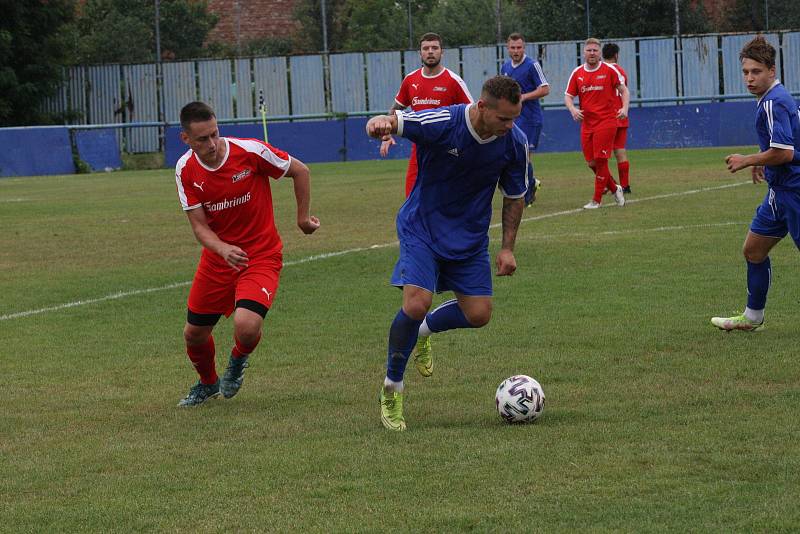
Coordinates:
599 187
202 357
623 169
240 349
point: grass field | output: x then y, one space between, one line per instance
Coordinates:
655 421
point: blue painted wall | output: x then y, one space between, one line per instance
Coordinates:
35 151
701 125
98 148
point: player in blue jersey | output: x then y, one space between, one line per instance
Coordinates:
778 129
465 152
529 75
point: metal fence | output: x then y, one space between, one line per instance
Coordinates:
661 70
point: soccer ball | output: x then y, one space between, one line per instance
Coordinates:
519 399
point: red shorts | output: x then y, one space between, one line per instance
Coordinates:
216 289
621 138
411 172
598 144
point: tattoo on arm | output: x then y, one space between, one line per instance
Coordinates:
512 215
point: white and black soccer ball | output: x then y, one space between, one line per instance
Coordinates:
519 399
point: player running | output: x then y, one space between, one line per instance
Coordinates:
223 186
596 85
431 86
611 56
778 130
530 77
464 152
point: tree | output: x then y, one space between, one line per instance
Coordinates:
608 18
471 22
123 31
31 54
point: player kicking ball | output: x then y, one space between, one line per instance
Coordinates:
223 186
778 130
464 153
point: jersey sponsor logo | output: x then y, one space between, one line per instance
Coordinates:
439 88
587 88
225 204
241 175
425 101
199 186
453 151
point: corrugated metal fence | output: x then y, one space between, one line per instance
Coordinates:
660 70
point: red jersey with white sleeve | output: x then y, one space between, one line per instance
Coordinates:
597 90
428 92
236 195
621 123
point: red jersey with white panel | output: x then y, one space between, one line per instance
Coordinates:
429 92
236 196
621 123
597 91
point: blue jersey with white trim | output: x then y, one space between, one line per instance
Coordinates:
778 126
450 207
530 76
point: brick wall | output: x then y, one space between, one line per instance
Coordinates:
251 19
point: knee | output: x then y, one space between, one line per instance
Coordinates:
479 316
417 308
195 335
753 255
592 164
247 330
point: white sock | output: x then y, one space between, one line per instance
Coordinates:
391 385
755 316
423 328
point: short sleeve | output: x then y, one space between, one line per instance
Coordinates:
402 97
514 179
424 127
572 86
537 75
779 124
186 189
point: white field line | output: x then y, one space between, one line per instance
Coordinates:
136 292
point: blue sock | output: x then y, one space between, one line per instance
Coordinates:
447 316
759 276
402 338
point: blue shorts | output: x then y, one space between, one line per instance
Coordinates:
532 132
419 266
778 215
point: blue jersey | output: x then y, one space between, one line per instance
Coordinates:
450 207
778 126
529 76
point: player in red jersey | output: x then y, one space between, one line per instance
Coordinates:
431 86
223 186
611 56
596 84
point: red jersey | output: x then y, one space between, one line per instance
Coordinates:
429 92
236 195
621 123
597 91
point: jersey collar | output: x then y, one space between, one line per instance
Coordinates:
521 61
227 153
472 130
771 87
587 69
422 72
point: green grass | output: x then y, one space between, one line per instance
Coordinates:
655 421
